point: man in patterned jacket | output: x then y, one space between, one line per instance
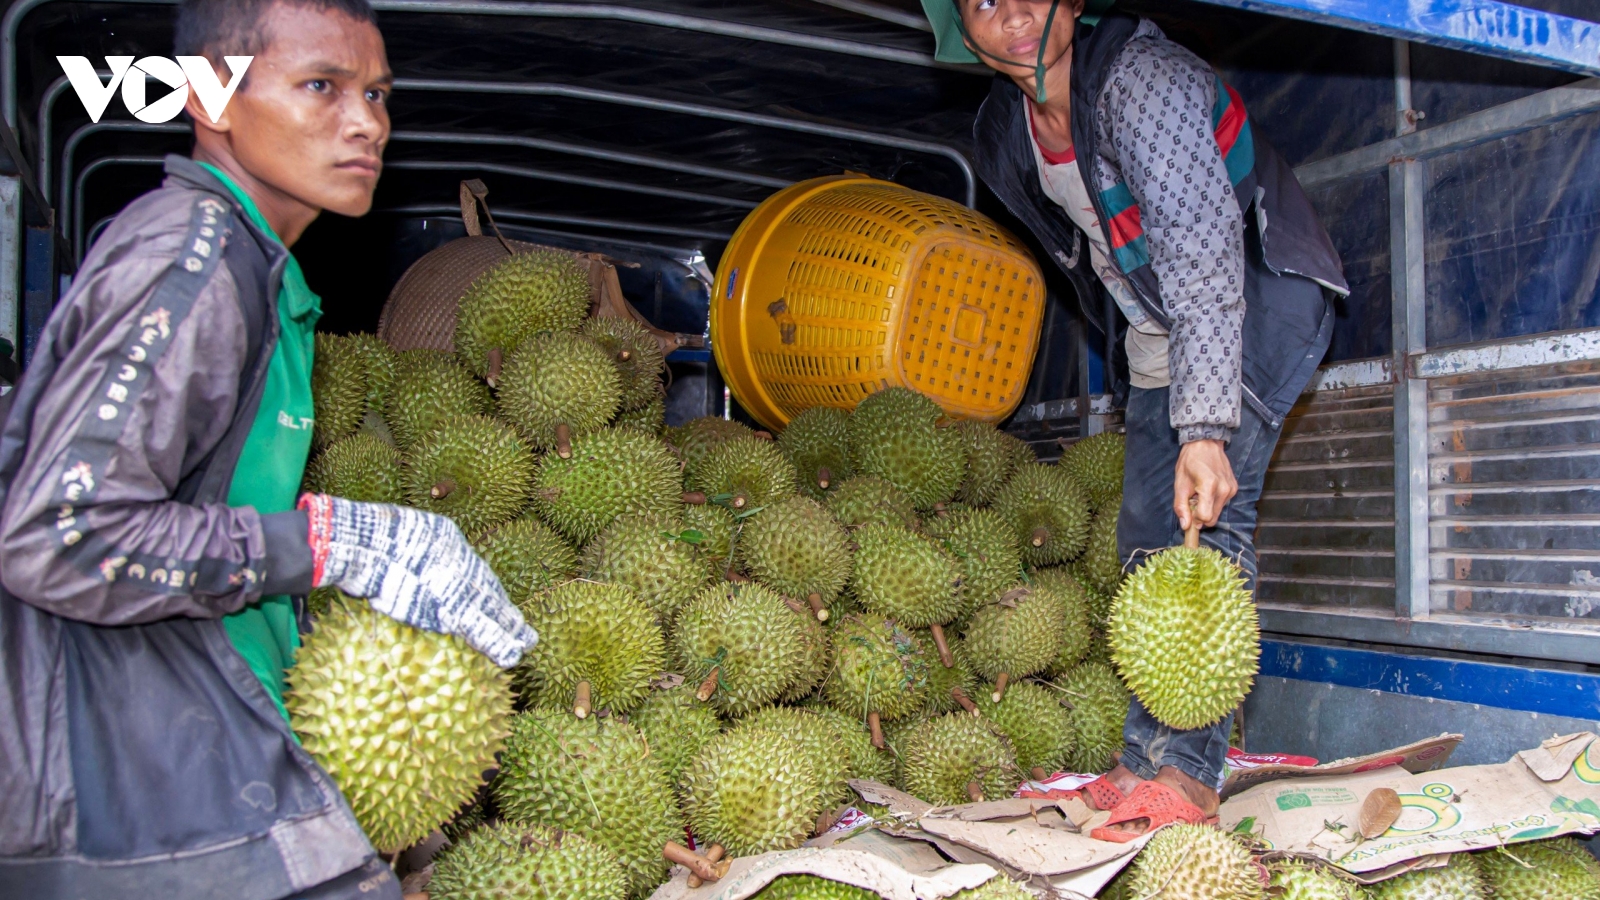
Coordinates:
1138 170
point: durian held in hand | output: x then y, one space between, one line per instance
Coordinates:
1184 634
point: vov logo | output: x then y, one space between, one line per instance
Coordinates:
182 75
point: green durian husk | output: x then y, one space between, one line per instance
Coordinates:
748 471
945 754
1196 862
750 636
473 469
983 547
694 438
359 467
868 500
866 761
906 576
817 442
943 680
879 666
379 359
676 725
1043 504
650 418
1100 563
991 461
611 473
1095 463
811 887
527 555
1184 636
895 435
1098 705
404 721
526 862
532 291
752 790
714 523
997 888
338 388
1020 634
430 386
640 372
1557 867
602 634
1033 719
595 776
1460 879
819 743
648 554
555 379
815 660
1299 880
797 548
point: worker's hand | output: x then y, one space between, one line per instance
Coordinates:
417 568
1205 474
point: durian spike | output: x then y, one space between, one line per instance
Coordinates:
693 498
975 791
709 686
497 358
708 870
1037 773
713 853
582 703
796 607
442 489
1000 686
824 477
1191 537
875 725
945 656
964 700
1040 535
563 440
817 607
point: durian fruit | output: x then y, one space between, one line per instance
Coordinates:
596 776
649 418
868 500
880 672
1033 719
320 600
612 472
526 862
1019 634
529 292
983 547
752 790
1100 563
1077 632
1098 703
895 435
1558 867
816 658
599 646
636 354
997 888
676 726
748 471
471 468
1299 880
819 743
1196 862
1047 513
430 386
741 644
649 554
991 461
797 548
944 680
811 887
360 468
557 386
695 437
818 443
469 817
1185 637
957 758
895 733
906 576
379 360
338 389
405 721
1460 879
866 761
1095 463
527 555
713 524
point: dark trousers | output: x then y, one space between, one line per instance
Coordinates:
373 881
1148 523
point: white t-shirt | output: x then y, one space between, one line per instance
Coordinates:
1146 342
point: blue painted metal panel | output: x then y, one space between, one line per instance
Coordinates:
1489 27
689 354
1545 691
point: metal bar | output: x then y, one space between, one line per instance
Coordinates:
1495 122
605 11
563 178
77 195
881 13
1486 27
641 101
11 231
1409 319
553 218
1099 404
591 152
1351 374
46 112
1501 637
1517 353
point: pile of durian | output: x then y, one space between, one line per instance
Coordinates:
730 625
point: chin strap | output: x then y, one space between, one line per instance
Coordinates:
1038 63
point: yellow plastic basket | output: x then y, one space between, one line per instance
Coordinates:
841 286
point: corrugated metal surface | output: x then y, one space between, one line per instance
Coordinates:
1514 462
1326 533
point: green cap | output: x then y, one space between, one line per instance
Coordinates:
946 21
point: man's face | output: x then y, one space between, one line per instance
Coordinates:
1012 29
311 119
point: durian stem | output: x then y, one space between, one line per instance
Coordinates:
1191 536
964 700
582 703
737 578
563 440
815 599
975 791
624 355
945 656
709 686
796 607
442 488
739 501
764 435
713 853
693 498
1000 685
824 477
708 870
1037 773
875 725
1040 535
497 358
